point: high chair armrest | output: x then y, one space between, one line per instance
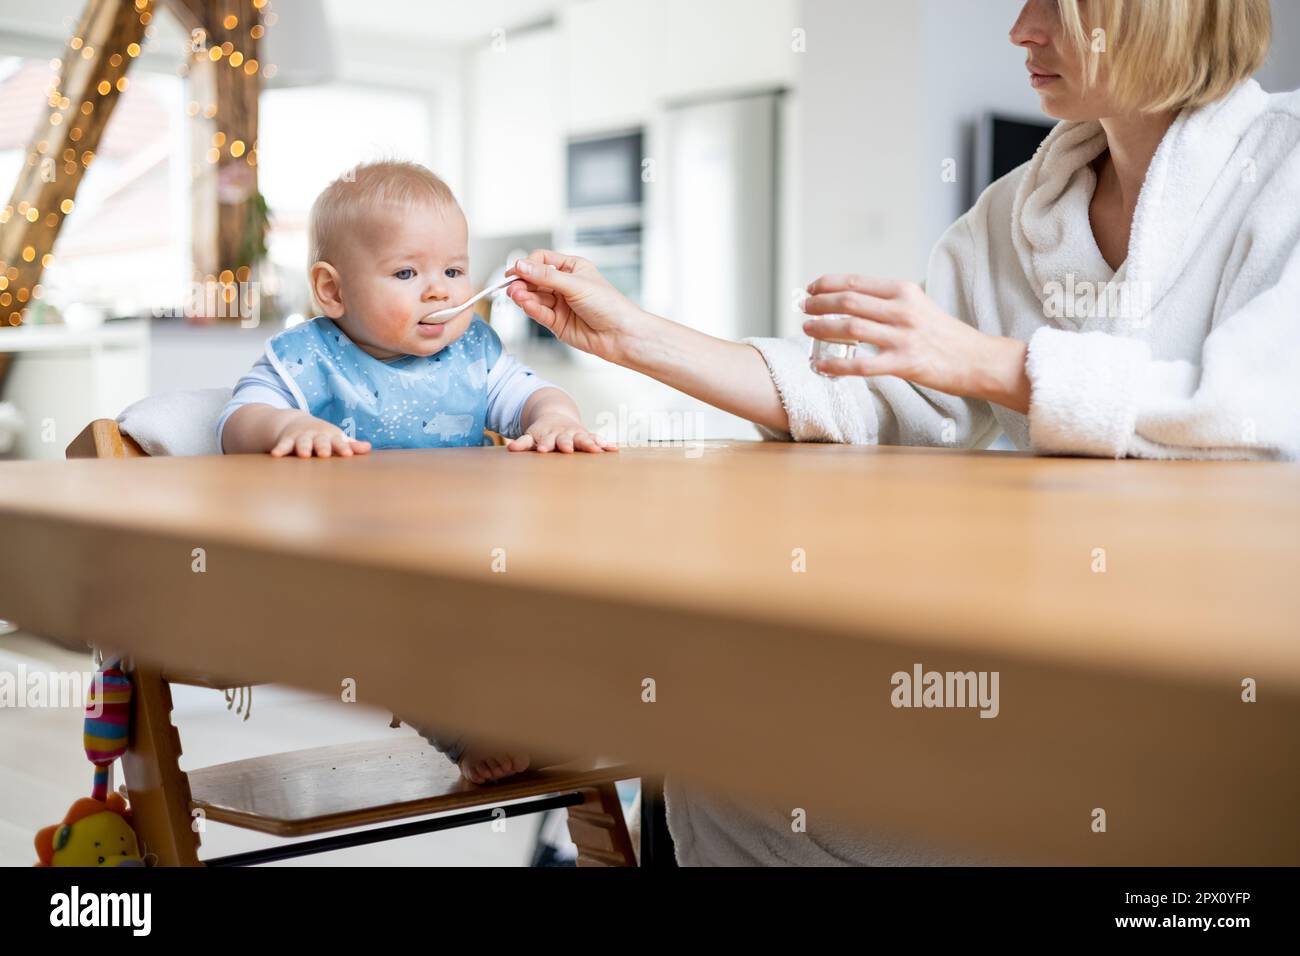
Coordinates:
103 439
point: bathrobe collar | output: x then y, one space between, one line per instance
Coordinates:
1174 208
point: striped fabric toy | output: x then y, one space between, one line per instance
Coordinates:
108 721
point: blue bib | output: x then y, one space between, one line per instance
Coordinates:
416 401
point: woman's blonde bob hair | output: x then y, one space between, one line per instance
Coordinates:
1168 54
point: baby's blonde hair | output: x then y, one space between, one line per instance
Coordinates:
344 203
1170 54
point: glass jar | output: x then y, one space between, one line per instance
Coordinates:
825 349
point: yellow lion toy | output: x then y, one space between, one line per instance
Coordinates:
93 833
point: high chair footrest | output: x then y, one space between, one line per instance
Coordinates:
349 785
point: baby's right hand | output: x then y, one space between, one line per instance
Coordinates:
306 435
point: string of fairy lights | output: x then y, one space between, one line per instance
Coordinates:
201 49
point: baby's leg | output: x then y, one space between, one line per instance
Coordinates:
479 763
482 762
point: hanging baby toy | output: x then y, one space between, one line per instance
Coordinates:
97 830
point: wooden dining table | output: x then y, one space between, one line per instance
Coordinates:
735 615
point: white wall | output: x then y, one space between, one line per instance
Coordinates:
888 92
860 104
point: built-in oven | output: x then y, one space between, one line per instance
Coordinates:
604 209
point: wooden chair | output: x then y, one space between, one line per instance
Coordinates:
324 789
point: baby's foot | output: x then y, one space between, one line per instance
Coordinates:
485 766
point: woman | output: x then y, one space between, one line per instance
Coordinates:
1133 290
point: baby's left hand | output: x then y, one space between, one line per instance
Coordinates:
559 433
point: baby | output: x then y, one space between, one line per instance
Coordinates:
389 246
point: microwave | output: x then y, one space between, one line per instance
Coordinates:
604 171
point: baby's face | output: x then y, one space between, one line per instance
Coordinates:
398 267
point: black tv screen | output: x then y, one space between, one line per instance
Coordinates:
1005 143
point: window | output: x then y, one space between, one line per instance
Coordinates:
307 137
125 247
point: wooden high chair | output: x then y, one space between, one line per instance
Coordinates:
324 789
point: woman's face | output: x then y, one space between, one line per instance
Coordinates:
1056 64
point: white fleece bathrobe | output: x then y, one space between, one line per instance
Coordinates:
1190 350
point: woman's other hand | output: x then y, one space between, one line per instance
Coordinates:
914 339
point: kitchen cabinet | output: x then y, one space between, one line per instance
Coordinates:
515 130
63 377
623 59
604 65
610 61
724 46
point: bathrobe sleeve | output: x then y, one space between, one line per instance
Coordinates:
884 409
1104 395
